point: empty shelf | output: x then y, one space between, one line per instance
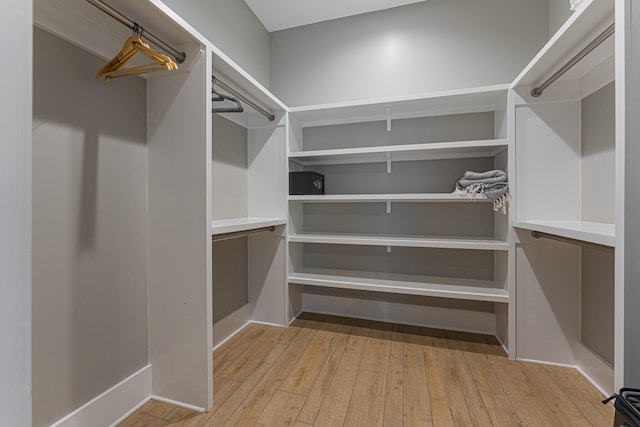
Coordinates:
467 289
428 151
402 241
593 232
223 226
363 198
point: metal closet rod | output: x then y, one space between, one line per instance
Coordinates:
269 115
541 235
179 56
537 91
234 234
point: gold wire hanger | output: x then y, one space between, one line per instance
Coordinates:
132 47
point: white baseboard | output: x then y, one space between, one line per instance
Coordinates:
542 362
408 314
180 404
108 408
229 325
597 371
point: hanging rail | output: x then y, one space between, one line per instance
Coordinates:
179 56
541 235
234 234
269 115
537 91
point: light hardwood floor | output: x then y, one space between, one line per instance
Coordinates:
331 371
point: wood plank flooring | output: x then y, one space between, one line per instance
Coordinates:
332 371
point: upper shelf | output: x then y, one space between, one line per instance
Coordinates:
592 232
460 101
84 25
223 226
589 20
428 151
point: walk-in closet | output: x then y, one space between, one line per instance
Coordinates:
235 212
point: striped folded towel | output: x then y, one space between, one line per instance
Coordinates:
492 184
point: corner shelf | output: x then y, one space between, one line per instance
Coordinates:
426 151
402 241
223 226
466 289
592 232
367 198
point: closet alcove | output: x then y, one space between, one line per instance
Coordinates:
566 191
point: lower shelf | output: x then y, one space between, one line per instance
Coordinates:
467 289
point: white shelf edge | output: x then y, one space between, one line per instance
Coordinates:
425 147
363 198
243 224
401 98
401 241
598 233
394 283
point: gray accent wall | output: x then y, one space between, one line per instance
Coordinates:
429 46
90 326
233 28
598 155
229 196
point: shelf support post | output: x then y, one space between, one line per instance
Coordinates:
388 162
387 112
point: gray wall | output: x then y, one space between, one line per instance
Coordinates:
232 27
429 46
559 12
229 195
598 155
229 169
89 229
597 305
15 216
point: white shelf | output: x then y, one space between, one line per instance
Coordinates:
601 234
427 151
243 224
458 101
364 198
467 289
402 241
591 18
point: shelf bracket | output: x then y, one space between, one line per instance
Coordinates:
388 162
387 112
388 249
388 207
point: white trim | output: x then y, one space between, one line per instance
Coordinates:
267 324
231 324
108 407
596 370
177 403
131 411
544 362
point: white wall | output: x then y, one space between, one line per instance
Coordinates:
429 46
559 12
15 216
89 229
233 28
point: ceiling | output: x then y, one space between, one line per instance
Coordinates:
282 14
